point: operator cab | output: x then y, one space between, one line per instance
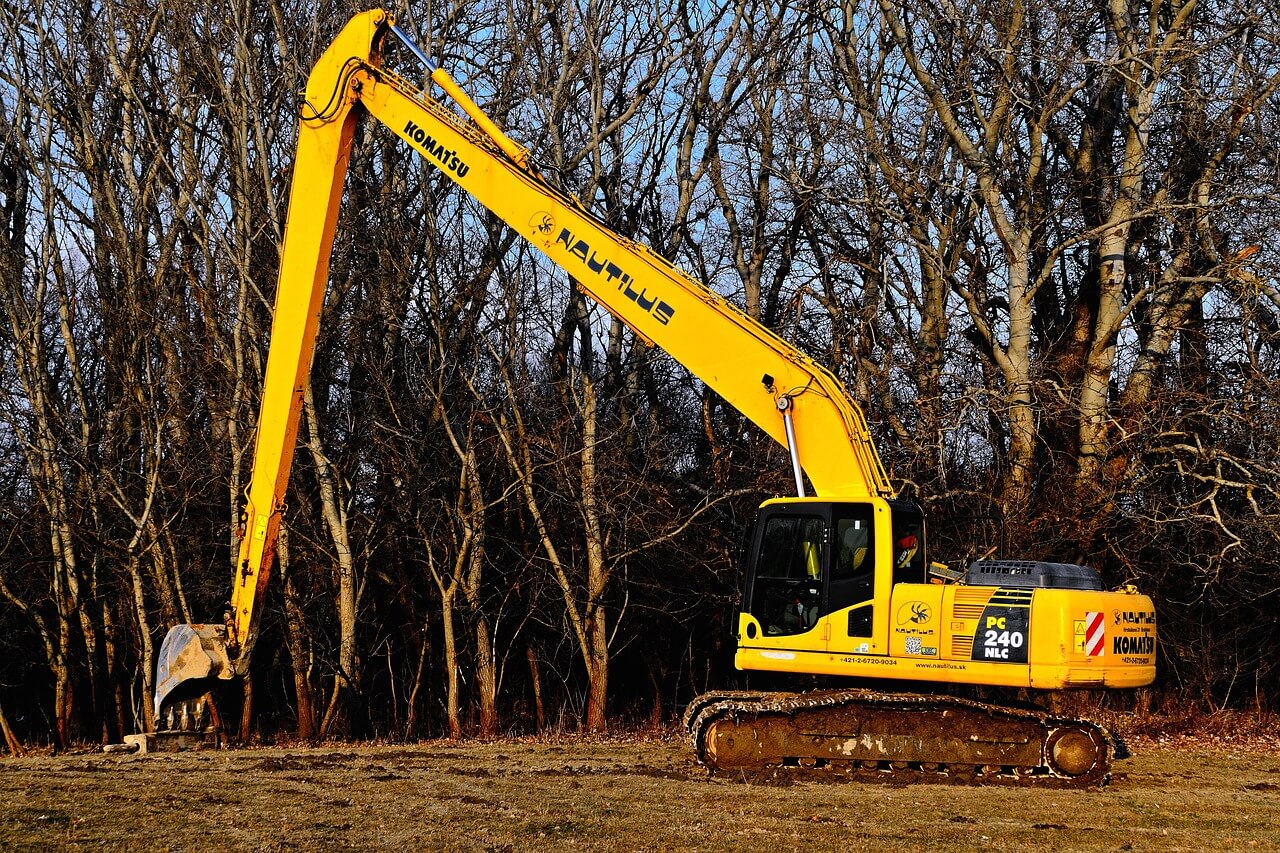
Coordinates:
810 557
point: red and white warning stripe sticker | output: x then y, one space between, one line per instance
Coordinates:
1095 634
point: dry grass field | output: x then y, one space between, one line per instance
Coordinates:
635 793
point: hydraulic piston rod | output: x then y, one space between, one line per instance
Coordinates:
784 406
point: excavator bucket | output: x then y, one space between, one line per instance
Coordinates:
191 658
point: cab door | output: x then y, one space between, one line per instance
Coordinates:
851 581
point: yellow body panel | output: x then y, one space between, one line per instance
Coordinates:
976 635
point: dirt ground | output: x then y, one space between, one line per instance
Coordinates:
620 794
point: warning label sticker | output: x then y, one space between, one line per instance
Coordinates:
1094 638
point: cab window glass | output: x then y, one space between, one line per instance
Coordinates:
791 548
786 593
853 548
908 548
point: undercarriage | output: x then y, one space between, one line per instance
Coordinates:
866 735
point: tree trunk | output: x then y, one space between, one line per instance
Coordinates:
451 661
11 740
1100 360
535 679
148 657
598 689
246 710
336 523
486 679
596 650
63 696
113 724
296 638
655 710
411 715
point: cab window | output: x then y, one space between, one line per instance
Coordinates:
786 593
908 547
853 548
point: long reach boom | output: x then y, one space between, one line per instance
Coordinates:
788 395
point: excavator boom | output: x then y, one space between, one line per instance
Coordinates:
762 375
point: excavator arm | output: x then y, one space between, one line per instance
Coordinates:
784 392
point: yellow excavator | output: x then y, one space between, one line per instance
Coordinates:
837 584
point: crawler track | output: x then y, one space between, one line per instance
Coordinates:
864 735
